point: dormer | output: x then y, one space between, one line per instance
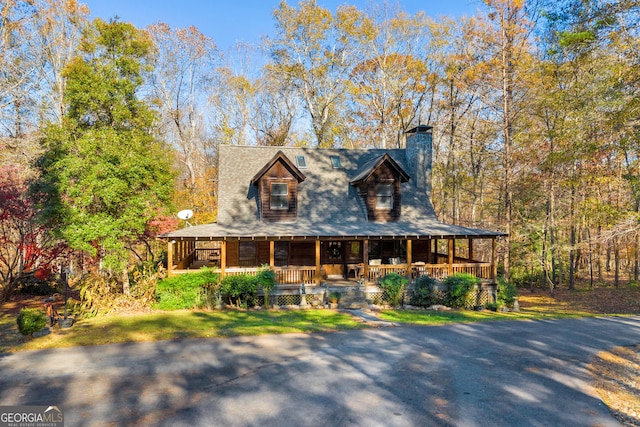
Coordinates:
379 185
277 184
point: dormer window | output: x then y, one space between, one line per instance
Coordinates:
379 182
279 196
277 184
384 196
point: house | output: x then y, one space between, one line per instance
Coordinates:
323 216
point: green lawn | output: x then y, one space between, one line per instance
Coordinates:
420 317
175 324
167 325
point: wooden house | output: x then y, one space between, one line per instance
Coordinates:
318 216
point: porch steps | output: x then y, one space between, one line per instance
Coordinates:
354 298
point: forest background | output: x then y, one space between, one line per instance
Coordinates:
106 130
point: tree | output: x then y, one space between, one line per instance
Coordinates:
58 27
104 175
314 50
18 66
181 85
388 87
463 127
506 42
274 110
25 246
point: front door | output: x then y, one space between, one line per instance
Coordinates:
332 258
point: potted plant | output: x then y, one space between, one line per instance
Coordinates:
334 298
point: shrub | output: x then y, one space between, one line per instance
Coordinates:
267 279
183 291
31 320
99 294
459 287
209 297
423 292
32 285
241 290
102 294
506 292
393 285
492 306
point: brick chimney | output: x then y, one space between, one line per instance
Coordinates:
419 156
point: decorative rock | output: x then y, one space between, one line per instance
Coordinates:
439 307
66 323
42 332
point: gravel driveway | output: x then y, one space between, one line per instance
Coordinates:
482 374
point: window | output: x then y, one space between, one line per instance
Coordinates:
335 162
301 162
384 196
247 254
279 195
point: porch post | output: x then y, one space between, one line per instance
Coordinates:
470 249
365 258
272 254
494 267
451 254
409 250
223 257
429 261
317 262
170 258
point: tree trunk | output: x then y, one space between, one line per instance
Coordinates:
572 239
125 282
616 261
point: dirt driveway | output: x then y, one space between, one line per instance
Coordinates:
483 374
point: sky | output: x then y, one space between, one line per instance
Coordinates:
230 21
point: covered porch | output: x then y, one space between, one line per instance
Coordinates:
338 260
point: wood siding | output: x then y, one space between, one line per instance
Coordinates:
302 253
233 253
278 173
263 252
421 251
367 190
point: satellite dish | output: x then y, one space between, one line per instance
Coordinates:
185 214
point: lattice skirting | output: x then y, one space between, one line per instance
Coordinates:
284 300
477 298
481 297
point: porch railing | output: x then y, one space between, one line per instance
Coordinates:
295 275
375 272
479 269
284 275
307 274
206 254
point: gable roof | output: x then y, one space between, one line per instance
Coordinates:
372 165
327 204
279 157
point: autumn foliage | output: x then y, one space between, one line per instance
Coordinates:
25 246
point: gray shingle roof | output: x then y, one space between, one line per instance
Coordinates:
327 204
